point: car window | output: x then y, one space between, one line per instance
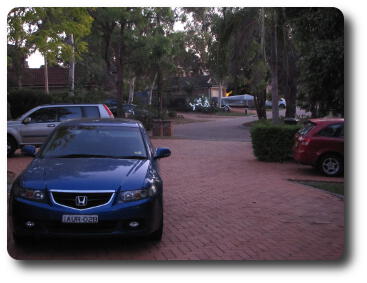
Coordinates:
334 130
111 141
90 111
44 115
308 126
71 112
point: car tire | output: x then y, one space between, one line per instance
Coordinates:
331 165
156 236
12 145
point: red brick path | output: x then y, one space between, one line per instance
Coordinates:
222 204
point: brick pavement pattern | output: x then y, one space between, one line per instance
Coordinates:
220 203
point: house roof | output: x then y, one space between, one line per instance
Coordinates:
57 76
35 77
196 82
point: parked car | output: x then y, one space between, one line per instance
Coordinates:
321 144
91 178
132 110
34 126
242 100
281 103
128 109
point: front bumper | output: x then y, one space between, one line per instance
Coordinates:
113 219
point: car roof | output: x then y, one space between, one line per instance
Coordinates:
326 120
70 104
103 122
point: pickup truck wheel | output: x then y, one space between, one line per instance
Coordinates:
12 145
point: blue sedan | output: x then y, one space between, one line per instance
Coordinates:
91 178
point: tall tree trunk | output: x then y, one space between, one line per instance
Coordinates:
290 69
120 70
151 90
19 81
220 93
259 98
160 93
107 33
274 73
71 77
131 90
292 88
46 74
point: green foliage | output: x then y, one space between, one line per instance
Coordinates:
319 38
23 100
172 114
273 142
54 25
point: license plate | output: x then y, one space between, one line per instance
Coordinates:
80 219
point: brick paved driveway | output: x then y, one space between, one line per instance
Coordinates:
220 203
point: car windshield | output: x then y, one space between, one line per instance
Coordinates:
95 141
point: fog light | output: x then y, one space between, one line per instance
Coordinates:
134 224
29 224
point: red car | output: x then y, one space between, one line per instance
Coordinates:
321 144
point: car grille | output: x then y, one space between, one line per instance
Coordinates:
81 200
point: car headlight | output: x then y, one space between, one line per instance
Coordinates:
28 193
135 195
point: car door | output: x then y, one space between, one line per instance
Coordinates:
41 124
330 139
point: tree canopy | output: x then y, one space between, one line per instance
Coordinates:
297 53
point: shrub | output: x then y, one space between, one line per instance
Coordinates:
172 114
23 100
273 142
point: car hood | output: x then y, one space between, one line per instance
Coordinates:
86 174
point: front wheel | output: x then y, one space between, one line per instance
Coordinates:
331 165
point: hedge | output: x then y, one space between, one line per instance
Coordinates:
273 142
25 99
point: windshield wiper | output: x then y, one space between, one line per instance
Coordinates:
132 157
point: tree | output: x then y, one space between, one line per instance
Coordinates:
245 54
274 67
52 28
19 25
318 34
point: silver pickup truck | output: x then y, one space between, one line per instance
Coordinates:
34 126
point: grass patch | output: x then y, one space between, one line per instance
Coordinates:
187 121
223 114
333 187
231 114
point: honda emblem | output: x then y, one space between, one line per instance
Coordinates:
81 200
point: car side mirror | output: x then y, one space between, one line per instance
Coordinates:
27 120
162 152
29 150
